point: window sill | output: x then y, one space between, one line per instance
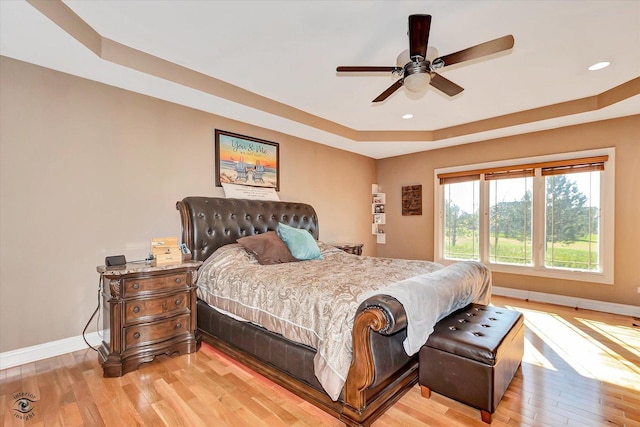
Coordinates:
574 275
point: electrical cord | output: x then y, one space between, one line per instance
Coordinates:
84 331
149 259
97 310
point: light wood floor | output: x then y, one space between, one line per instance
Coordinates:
580 368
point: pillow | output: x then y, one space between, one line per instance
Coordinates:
300 242
267 248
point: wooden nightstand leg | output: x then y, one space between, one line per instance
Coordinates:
486 416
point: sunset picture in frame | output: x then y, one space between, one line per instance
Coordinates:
244 160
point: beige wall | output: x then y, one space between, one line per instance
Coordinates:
412 236
88 170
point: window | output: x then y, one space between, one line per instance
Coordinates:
572 221
461 220
547 216
510 212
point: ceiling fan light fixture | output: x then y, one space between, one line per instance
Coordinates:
417 82
403 58
432 53
599 66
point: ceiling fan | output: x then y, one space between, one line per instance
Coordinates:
418 70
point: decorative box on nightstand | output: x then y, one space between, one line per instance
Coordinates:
350 248
148 311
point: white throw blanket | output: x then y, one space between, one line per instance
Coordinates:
430 297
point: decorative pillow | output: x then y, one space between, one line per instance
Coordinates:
300 242
267 248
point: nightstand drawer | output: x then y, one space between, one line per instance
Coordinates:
137 286
139 309
152 332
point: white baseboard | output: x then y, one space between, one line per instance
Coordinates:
589 304
34 353
21 356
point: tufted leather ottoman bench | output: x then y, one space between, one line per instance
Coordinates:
472 355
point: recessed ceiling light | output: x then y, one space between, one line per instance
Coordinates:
407 116
599 66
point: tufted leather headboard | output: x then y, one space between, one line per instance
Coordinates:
211 222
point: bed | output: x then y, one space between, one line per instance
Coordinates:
358 354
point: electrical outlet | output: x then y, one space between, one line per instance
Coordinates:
638 289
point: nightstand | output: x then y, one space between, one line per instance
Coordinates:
147 311
350 248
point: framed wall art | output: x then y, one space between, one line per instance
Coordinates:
412 200
245 160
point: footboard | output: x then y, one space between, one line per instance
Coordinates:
380 370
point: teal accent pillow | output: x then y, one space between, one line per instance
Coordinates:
301 243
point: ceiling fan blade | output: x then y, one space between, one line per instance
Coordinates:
445 85
419 26
394 87
360 69
483 49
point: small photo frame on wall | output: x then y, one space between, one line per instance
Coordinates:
244 160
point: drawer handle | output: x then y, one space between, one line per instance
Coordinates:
178 280
136 309
136 286
178 325
136 335
178 301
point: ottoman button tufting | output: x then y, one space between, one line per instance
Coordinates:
473 368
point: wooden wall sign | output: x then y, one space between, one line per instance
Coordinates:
412 200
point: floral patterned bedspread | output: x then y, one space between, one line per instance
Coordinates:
310 302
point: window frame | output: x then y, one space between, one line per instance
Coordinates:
607 218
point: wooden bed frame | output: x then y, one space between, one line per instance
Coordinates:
380 371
